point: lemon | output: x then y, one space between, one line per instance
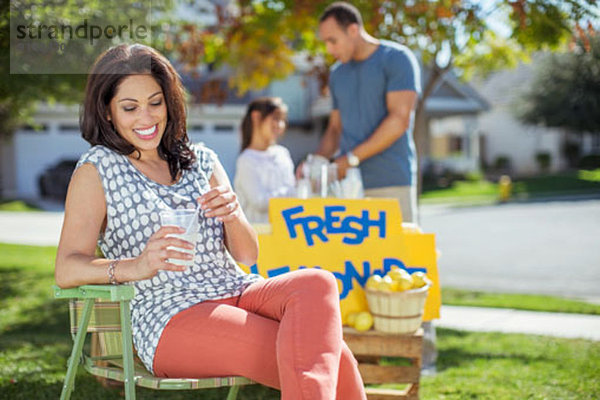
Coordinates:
373 281
420 279
397 274
387 285
351 319
405 283
364 321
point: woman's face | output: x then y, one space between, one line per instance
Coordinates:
138 111
273 126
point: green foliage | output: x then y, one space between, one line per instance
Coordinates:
591 161
543 160
490 54
259 40
20 93
566 91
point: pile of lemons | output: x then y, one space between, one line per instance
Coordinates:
397 280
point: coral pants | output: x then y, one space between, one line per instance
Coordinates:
284 332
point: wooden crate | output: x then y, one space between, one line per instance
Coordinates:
368 347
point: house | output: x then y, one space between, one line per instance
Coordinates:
503 136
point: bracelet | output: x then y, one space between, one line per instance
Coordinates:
111 272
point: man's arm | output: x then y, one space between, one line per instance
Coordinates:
400 105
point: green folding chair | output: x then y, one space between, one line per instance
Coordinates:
105 309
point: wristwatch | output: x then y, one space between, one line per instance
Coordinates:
352 159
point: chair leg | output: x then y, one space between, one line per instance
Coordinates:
127 349
233 392
77 348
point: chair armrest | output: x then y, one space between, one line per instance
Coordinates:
108 292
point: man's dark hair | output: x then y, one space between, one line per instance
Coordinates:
344 14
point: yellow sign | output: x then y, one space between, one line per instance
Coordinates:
353 239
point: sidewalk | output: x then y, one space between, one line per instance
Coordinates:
483 319
32 228
43 229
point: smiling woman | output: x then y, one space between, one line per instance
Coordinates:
206 317
146 89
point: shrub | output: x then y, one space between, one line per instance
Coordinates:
543 160
590 162
502 162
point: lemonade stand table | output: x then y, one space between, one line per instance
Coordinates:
354 239
368 348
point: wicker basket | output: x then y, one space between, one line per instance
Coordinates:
397 312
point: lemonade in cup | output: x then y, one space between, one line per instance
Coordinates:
188 220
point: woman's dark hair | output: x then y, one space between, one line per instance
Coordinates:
108 71
345 14
265 106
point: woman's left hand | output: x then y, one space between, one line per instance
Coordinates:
221 203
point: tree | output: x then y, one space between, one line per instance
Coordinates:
566 91
258 37
20 92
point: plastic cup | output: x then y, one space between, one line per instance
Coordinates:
352 185
188 220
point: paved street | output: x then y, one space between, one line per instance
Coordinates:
538 247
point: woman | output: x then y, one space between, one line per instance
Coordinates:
264 169
211 318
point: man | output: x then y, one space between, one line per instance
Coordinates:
374 86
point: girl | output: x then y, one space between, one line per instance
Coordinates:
264 169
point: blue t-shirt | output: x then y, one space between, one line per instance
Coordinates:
359 89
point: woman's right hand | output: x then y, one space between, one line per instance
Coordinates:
155 255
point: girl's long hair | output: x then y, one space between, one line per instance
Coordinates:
265 106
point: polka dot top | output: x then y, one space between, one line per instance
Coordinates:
133 203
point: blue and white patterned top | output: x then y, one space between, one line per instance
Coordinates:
133 203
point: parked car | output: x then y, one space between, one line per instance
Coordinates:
54 181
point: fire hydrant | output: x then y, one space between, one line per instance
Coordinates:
505 187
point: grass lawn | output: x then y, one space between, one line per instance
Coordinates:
458 297
481 191
34 345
